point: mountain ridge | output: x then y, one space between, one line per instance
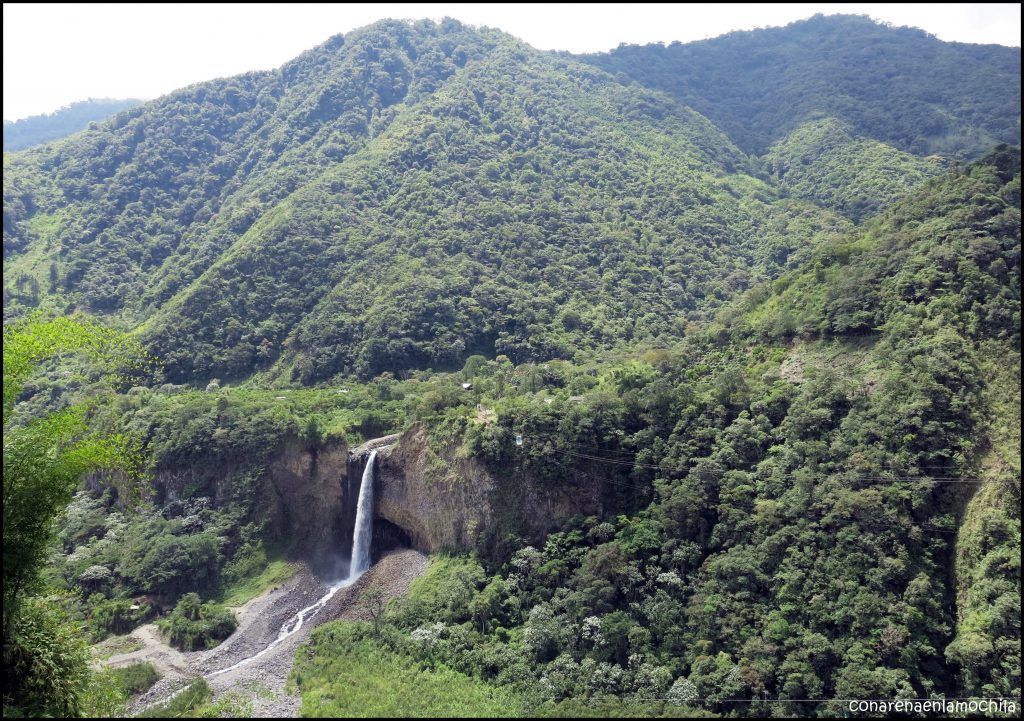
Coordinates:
953 98
158 205
47 127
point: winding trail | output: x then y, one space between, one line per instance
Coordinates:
255 661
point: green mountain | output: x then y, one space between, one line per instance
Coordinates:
411 194
823 162
24 133
898 85
400 198
696 431
817 498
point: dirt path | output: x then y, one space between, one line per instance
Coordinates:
167 660
253 664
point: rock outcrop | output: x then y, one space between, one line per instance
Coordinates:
298 490
442 499
427 498
307 484
436 510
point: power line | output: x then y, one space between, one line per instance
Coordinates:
628 453
908 525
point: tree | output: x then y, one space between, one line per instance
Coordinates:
44 459
375 601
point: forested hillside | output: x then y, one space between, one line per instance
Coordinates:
24 133
410 217
557 209
823 162
898 85
819 466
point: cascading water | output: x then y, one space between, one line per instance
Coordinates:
361 537
364 522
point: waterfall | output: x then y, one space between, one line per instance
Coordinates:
364 522
361 538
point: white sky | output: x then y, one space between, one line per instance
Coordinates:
57 54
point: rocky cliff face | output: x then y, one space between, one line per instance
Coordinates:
443 500
436 510
308 486
426 498
298 490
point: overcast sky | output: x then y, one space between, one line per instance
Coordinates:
57 54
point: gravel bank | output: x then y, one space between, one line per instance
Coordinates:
253 664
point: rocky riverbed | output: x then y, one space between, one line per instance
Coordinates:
251 667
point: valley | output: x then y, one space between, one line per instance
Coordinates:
432 374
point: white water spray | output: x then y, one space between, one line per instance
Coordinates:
361 538
364 522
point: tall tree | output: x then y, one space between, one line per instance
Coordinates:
43 460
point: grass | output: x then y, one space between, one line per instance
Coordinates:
432 590
116 645
233 704
186 703
196 702
343 672
340 675
275 573
136 678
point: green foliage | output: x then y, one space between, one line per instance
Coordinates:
792 507
44 459
174 564
899 85
34 339
136 678
115 616
343 672
444 592
823 162
43 462
427 255
986 649
46 662
188 702
25 133
195 625
253 580
766 506
110 689
105 697
132 565
946 256
577 214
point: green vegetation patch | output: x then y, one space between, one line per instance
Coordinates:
343 673
184 704
274 574
136 678
195 625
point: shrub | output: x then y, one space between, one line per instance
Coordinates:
194 696
136 678
195 625
115 616
46 661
